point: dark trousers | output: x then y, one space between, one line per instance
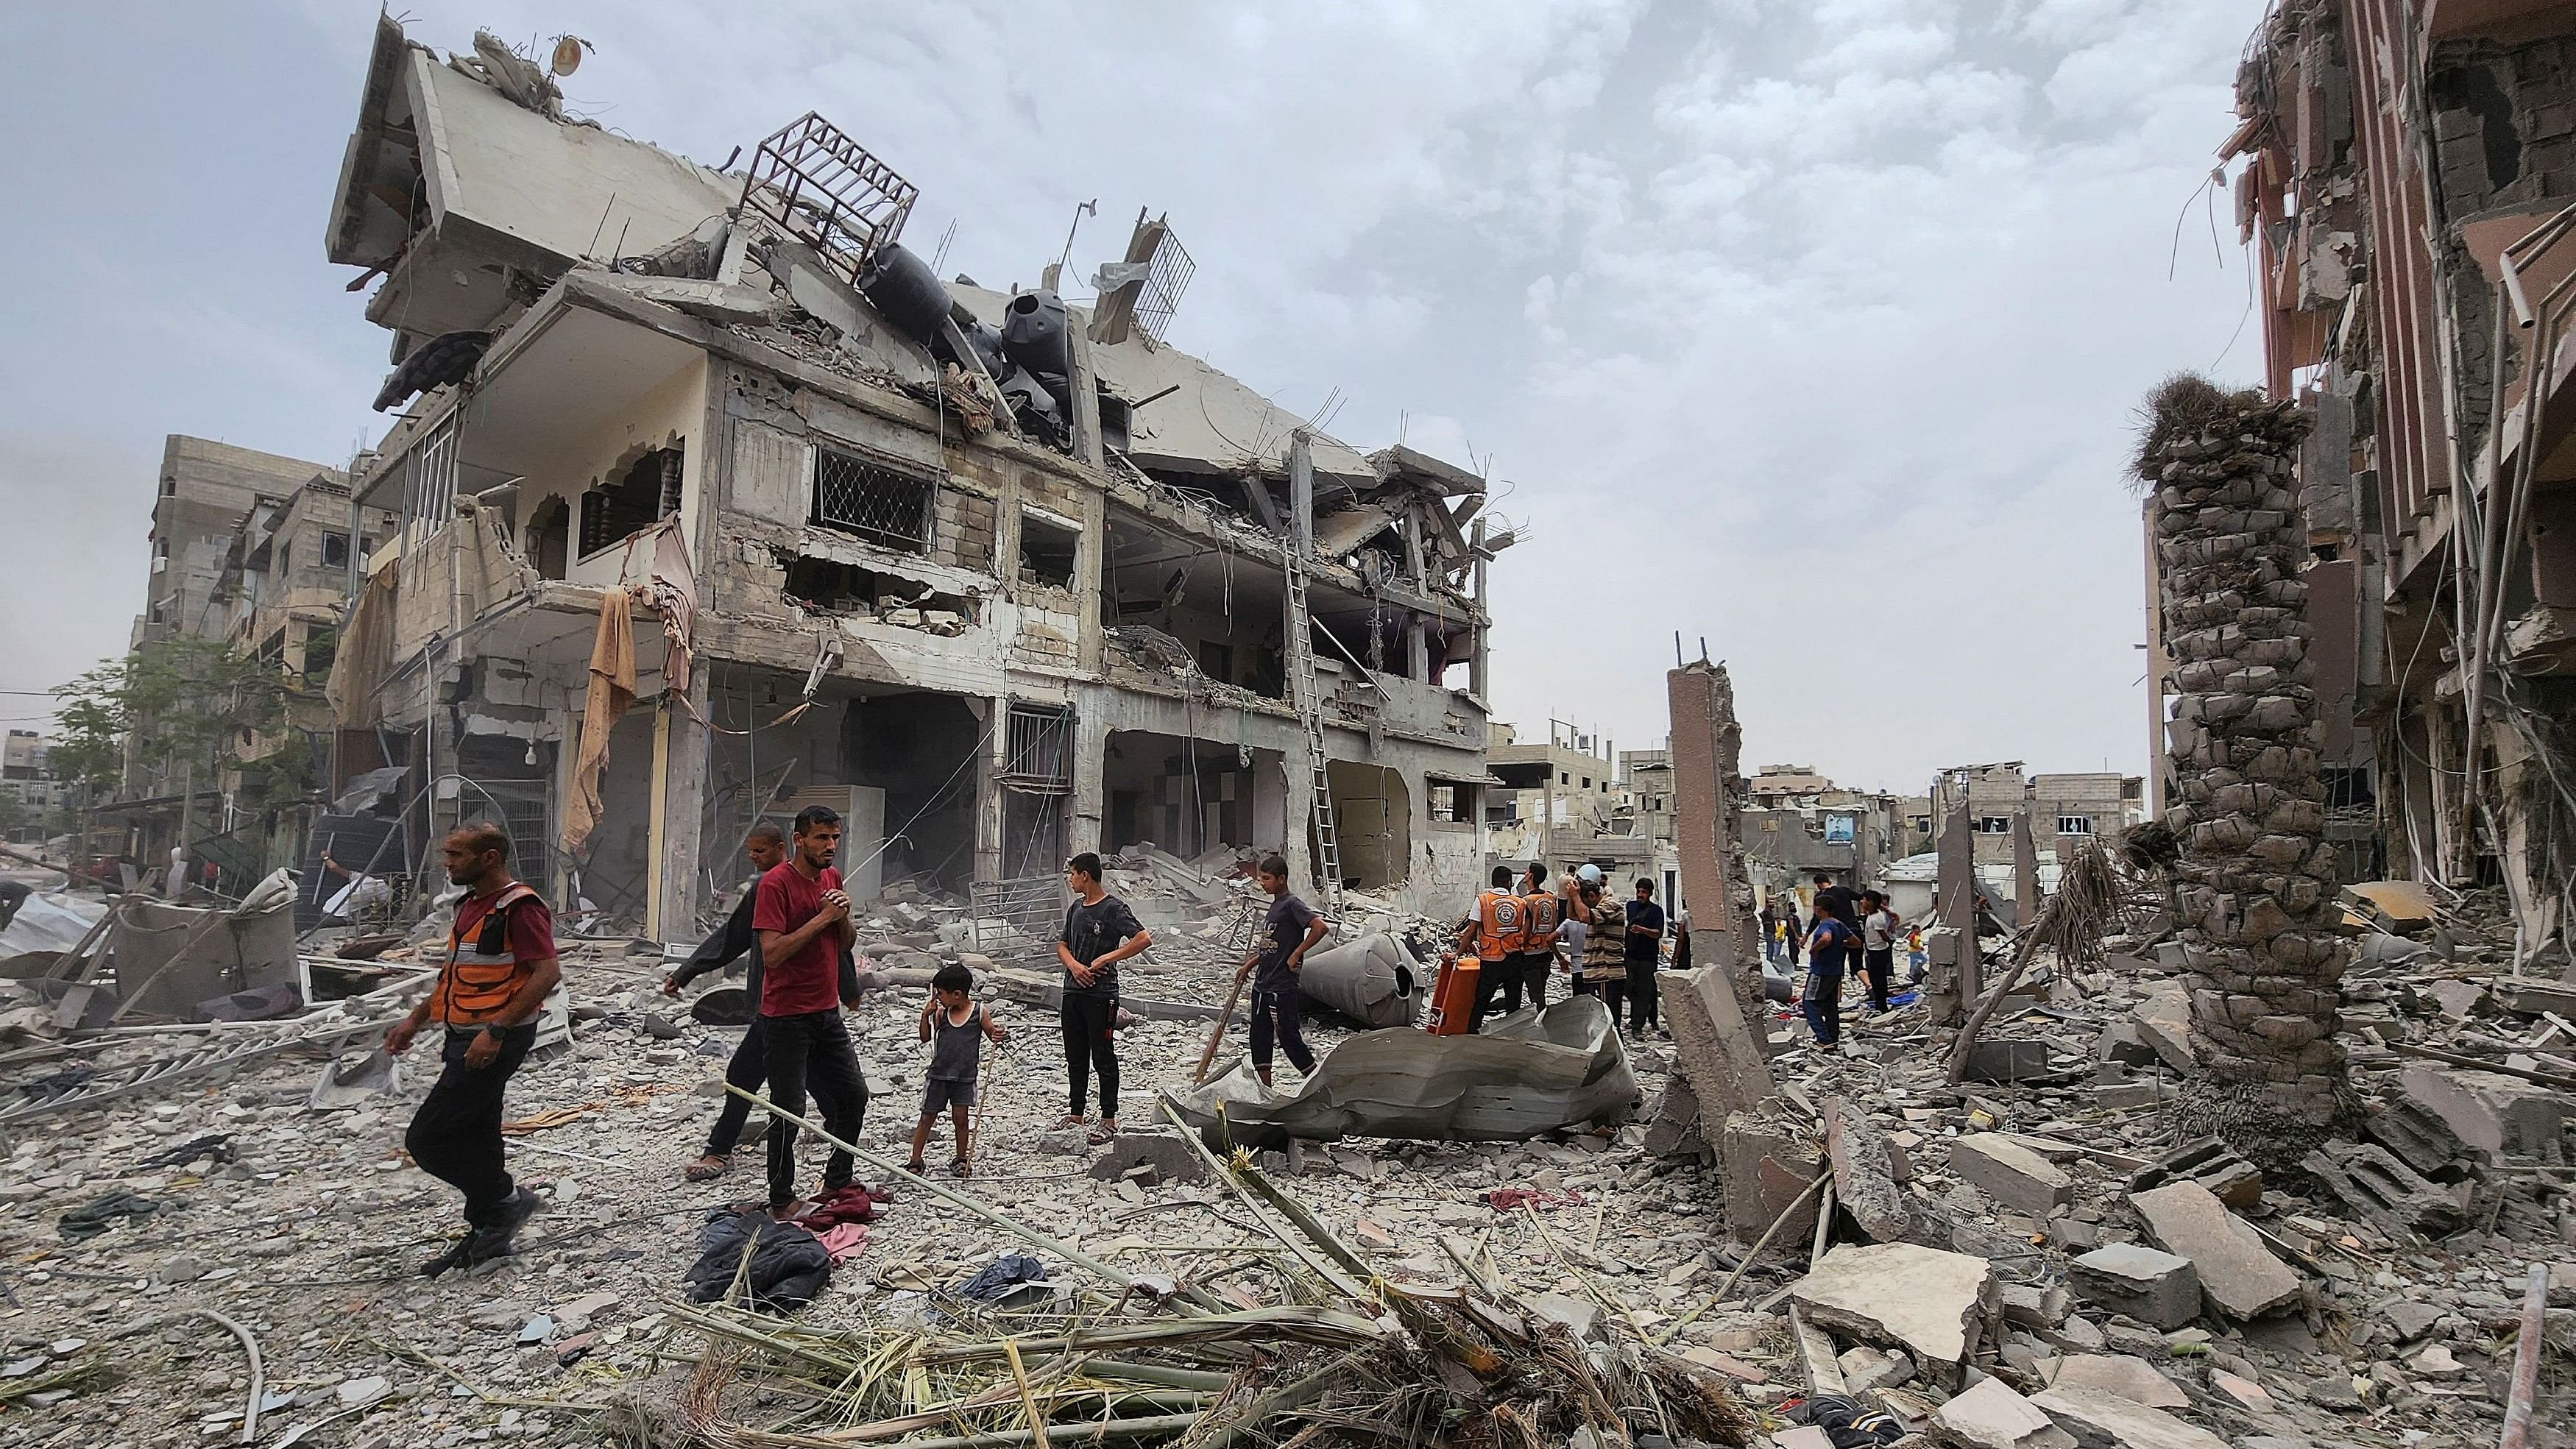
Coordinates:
1823 1008
1637 991
1275 1013
1880 967
456 1135
1090 1044
1499 985
811 1048
748 1069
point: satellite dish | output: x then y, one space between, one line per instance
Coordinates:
568 49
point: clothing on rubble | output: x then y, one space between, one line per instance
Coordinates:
842 1239
998 1279
789 1265
611 690
856 1203
99 1213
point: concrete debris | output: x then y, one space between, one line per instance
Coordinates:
2153 1287
2010 1173
1938 1306
2495 1115
2210 1163
1992 1416
2133 1379
2384 1191
2100 1420
1865 1173
2238 1274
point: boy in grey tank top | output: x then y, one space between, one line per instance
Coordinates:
956 1028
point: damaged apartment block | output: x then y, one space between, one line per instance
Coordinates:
2406 191
714 502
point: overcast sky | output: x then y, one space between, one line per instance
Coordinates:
1810 327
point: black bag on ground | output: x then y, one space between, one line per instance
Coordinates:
788 1264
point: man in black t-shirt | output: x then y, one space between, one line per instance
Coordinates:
1099 932
1838 901
1645 951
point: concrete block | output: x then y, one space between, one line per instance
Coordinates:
1167 1153
1764 1169
1713 1041
2163 1022
2238 1274
2488 1111
1865 1173
2106 1421
2033 1306
1935 1305
2133 1379
2143 1283
1866 1368
1992 1416
2011 1174
2007 1061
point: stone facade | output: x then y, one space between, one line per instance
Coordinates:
2258 882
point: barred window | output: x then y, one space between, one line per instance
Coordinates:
856 496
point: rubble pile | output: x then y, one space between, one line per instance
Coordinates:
2048 1258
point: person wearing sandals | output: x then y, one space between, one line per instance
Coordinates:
1099 932
956 1028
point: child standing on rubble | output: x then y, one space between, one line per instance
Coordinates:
1099 932
956 1029
1291 929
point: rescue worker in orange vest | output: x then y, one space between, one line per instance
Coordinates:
1541 911
500 967
1495 933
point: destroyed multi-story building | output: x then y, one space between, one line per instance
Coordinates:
1560 802
247 548
2404 193
998 576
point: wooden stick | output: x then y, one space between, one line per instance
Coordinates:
1759 1244
1028 1396
259 1381
1216 1033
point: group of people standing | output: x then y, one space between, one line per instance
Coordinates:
1524 930
1844 923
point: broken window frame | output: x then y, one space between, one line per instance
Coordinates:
429 491
335 549
880 519
2074 824
1038 745
607 505
1047 523
1991 825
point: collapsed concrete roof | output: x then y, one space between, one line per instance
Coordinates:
448 178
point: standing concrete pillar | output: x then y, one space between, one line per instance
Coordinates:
1956 980
2025 850
988 791
1707 747
2263 955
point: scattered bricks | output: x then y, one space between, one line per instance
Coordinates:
2230 1178
2139 1282
2107 1421
1992 1416
2237 1273
2011 1174
1865 1173
1167 1153
2133 1379
1765 1168
2384 1190
2007 1061
1935 1305
2493 1114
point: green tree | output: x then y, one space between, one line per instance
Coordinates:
174 701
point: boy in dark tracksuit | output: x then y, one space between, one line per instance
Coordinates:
1292 928
1099 932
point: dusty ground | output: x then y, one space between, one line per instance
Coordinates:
304 1225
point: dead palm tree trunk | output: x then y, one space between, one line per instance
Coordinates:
2257 882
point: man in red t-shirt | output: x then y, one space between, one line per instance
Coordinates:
802 918
495 977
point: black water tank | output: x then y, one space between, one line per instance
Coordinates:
906 292
1033 333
